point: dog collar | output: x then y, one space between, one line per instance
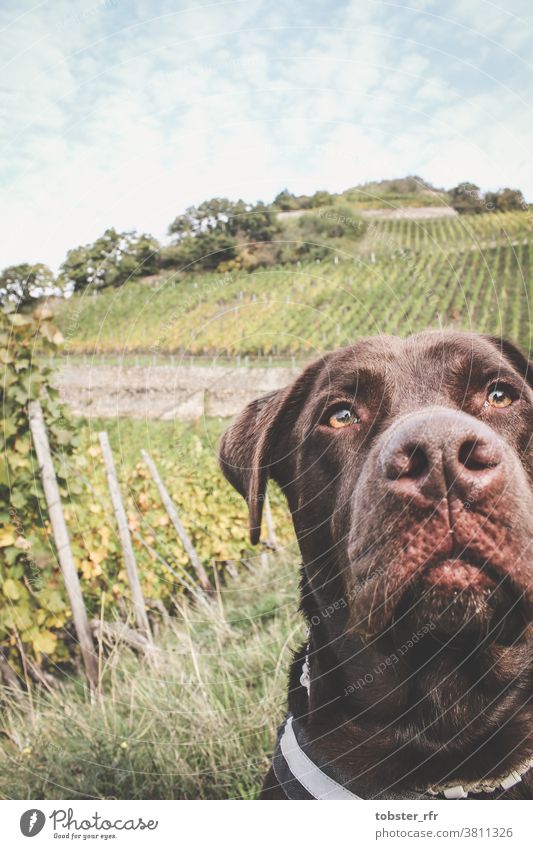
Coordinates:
461 791
298 775
309 771
301 778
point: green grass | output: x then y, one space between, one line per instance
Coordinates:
469 272
197 724
369 199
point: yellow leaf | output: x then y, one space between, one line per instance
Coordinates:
98 555
11 589
86 568
45 642
21 618
7 536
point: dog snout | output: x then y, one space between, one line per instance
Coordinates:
443 453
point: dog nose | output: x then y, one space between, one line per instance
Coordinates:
442 452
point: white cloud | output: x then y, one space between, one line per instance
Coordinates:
123 114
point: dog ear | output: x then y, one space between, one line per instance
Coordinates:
246 453
512 354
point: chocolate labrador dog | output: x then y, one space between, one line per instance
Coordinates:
408 470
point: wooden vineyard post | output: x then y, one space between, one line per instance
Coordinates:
170 507
62 541
125 538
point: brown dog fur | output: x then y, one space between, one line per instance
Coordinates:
396 555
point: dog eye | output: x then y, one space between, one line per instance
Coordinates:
499 398
343 417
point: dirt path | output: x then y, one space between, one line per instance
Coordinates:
387 213
410 212
165 392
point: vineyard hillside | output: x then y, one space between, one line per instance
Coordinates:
403 275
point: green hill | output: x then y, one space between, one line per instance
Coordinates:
402 276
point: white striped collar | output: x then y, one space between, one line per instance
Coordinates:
318 785
321 782
306 772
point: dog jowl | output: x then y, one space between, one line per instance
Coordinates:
408 470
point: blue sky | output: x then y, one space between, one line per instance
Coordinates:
123 112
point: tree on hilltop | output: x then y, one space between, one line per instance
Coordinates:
466 199
505 200
111 260
22 284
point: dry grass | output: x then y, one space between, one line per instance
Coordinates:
198 723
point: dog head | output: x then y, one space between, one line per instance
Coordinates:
408 469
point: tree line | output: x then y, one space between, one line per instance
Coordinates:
225 235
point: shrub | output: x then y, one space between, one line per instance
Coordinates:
33 606
466 199
505 200
260 255
333 222
320 198
205 251
286 201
